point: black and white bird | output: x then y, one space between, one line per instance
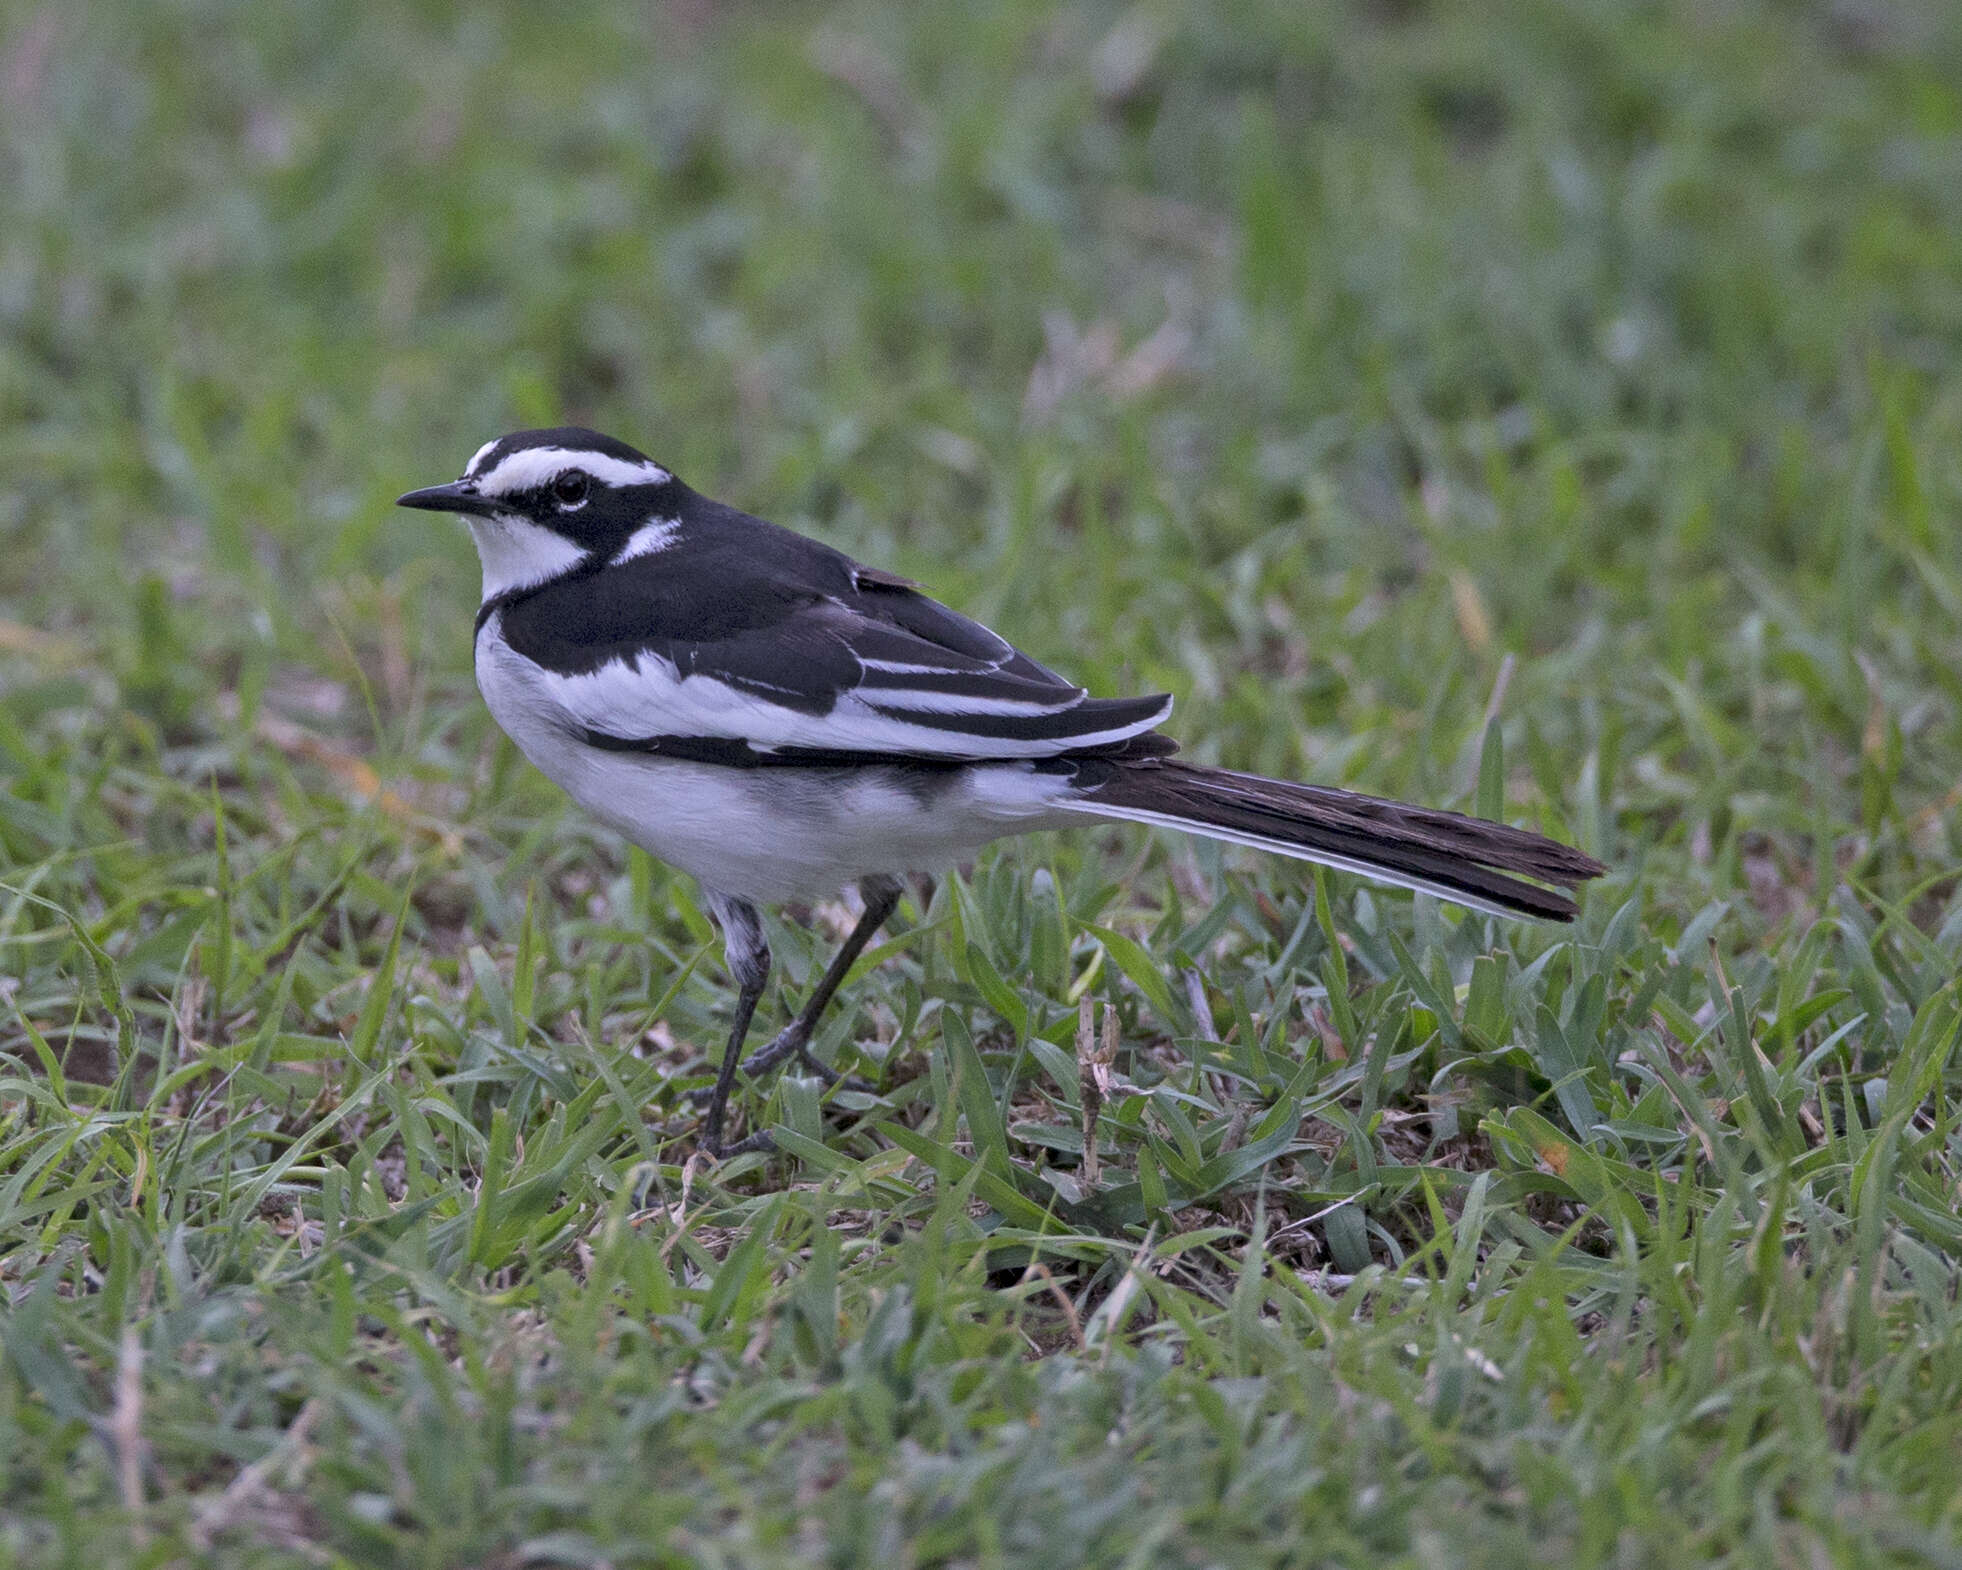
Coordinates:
767 714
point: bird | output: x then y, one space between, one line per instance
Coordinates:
761 711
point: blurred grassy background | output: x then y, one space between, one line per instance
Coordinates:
1301 360
1359 373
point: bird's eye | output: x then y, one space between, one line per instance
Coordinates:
570 487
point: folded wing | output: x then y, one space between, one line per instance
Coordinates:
814 659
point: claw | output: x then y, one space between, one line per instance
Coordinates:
789 1041
722 1150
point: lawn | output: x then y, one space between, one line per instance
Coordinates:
1551 408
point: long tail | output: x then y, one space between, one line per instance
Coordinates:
1469 861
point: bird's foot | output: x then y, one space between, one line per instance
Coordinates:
794 1040
722 1150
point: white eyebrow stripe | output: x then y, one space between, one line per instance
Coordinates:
655 535
532 466
478 457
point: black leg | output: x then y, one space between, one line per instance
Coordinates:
881 896
748 956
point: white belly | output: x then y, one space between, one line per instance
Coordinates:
766 834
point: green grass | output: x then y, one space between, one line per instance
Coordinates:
1553 410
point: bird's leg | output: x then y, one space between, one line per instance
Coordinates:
881 895
748 956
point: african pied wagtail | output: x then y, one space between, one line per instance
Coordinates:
763 712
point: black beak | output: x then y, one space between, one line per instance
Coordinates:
458 496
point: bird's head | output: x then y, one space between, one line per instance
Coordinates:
544 503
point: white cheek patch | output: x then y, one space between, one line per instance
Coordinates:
534 466
517 553
649 538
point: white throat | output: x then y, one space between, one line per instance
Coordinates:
518 554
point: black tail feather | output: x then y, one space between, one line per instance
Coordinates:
1467 860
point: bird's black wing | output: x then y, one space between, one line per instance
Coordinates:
740 634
